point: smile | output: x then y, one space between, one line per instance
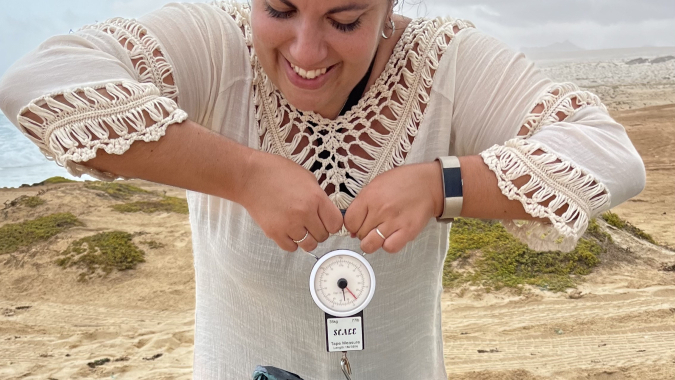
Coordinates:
309 80
309 74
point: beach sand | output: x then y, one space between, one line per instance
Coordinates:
620 324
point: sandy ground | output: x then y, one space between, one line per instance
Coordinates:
620 326
133 315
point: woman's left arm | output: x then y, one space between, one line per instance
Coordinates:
542 157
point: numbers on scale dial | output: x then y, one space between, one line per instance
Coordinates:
342 283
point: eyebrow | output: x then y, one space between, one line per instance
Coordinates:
343 8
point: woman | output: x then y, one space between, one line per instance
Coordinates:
277 117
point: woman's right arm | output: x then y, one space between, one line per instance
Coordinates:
105 101
281 196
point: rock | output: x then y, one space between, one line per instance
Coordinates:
662 59
97 363
668 267
7 312
153 357
637 61
490 351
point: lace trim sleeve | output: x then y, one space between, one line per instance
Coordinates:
144 51
557 189
70 126
74 129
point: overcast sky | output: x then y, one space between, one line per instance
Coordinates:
590 24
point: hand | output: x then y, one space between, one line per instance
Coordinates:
287 202
399 203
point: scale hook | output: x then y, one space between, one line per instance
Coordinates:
346 367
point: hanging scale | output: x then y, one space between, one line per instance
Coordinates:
342 284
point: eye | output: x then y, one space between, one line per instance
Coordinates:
277 14
346 27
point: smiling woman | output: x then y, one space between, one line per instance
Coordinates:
278 115
316 54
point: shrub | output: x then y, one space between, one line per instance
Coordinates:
499 260
102 252
115 190
18 235
53 180
166 204
614 220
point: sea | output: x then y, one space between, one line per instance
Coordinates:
21 161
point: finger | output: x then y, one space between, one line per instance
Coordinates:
355 215
396 242
373 241
317 229
330 217
287 244
369 224
306 241
309 244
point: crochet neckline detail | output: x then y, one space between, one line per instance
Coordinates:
375 135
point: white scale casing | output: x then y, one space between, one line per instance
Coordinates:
347 265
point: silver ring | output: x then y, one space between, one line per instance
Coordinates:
380 233
301 240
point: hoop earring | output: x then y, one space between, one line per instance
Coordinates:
393 30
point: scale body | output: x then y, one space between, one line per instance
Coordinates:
342 284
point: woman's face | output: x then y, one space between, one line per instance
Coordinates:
316 51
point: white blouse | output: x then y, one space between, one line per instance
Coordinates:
447 89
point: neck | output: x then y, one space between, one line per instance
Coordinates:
357 92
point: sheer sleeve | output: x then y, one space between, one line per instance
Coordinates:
120 81
553 147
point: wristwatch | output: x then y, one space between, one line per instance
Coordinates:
452 187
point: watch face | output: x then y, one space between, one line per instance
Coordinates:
342 283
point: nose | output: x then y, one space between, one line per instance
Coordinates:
309 47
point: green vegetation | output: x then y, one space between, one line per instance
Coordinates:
115 190
597 232
32 202
50 181
53 180
614 220
102 253
639 233
26 201
484 253
166 204
153 244
18 235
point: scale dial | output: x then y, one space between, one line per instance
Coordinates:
342 283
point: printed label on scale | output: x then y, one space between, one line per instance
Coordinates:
344 334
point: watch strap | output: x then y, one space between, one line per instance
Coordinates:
452 187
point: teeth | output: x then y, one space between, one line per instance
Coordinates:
308 74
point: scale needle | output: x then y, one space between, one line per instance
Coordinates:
350 292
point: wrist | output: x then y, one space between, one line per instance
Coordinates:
249 168
435 182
